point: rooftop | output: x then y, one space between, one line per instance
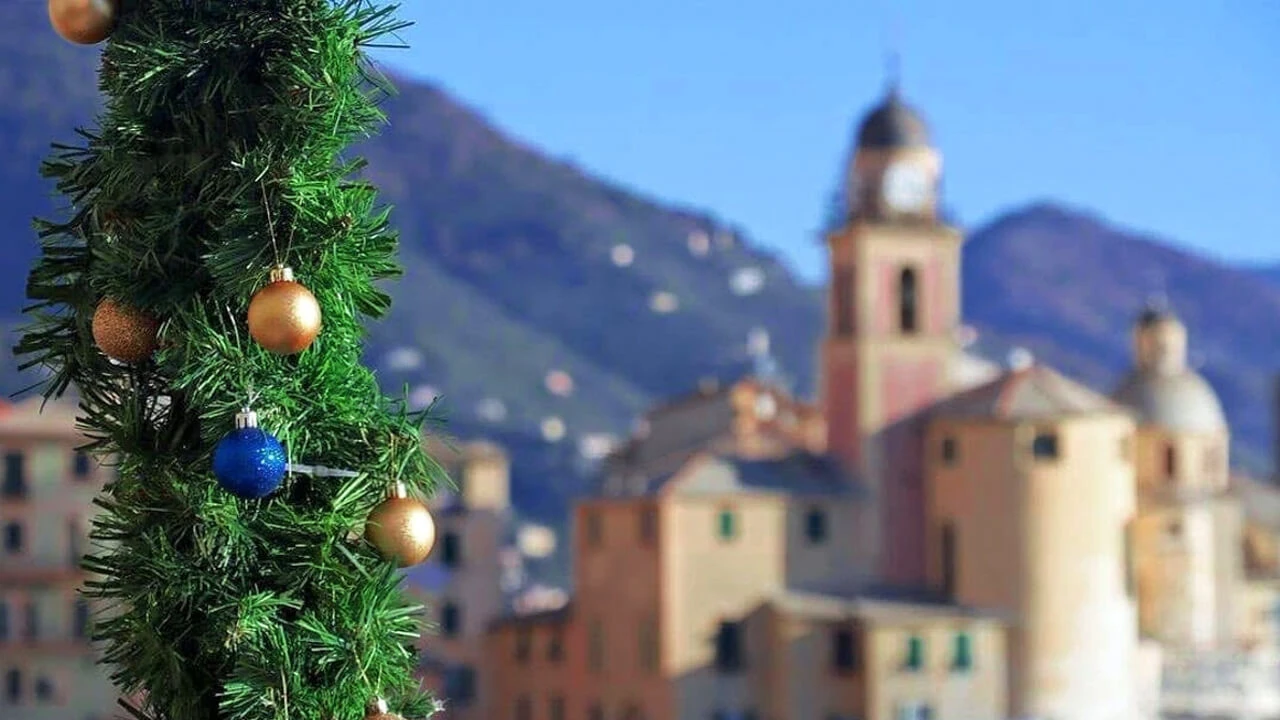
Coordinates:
884 603
799 473
1036 392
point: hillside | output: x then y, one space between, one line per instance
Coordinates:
1066 285
518 266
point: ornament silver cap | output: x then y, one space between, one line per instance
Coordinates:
398 490
379 706
246 418
282 273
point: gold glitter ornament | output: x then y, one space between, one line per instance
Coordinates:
83 22
124 333
401 528
284 317
378 711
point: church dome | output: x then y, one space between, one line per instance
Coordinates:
1162 389
1178 402
893 124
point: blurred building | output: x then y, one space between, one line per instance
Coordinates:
476 574
939 537
46 494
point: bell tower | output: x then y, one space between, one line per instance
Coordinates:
893 307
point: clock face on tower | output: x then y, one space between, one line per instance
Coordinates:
906 187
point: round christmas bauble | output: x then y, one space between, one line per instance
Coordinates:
284 316
401 528
84 22
378 711
124 333
249 462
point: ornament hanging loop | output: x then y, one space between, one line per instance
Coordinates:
271 225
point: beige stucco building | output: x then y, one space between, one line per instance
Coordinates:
46 661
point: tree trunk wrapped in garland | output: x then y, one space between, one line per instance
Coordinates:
204 295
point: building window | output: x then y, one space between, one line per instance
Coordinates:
947 553
648 526
595 646
13 686
593 528
32 630
450 619
555 708
844 650
1045 445
915 711
729 657
555 644
44 689
949 451
75 543
1170 461
728 525
915 653
842 288
80 619
595 712
81 466
963 659
15 477
648 645
815 526
524 643
4 620
460 685
451 550
524 708
14 538
908 301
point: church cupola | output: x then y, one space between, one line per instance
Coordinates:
894 173
892 125
1159 341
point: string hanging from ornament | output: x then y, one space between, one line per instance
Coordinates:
249 462
124 333
84 22
284 316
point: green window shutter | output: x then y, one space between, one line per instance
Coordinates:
964 652
915 653
728 525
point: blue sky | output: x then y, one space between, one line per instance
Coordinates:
1160 116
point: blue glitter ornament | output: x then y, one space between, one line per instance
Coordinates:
249 462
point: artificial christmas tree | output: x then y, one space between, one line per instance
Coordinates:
204 295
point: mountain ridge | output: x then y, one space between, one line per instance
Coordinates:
515 277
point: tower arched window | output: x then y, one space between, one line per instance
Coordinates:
1170 462
908 300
